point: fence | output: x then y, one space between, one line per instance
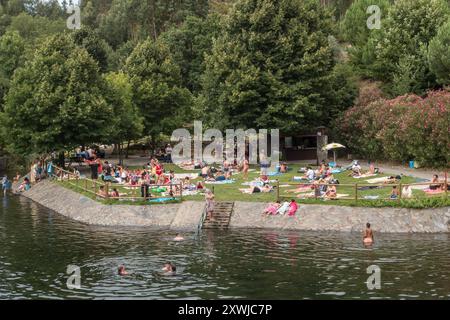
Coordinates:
103 190
357 194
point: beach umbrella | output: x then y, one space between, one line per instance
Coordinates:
333 146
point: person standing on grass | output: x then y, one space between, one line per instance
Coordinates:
209 197
245 169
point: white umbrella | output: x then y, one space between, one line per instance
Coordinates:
333 146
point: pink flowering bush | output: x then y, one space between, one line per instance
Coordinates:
405 128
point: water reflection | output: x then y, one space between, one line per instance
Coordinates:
38 245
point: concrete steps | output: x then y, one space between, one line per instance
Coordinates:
221 216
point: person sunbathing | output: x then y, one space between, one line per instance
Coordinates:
407 192
257 189
115 193
200 186
437 185
356 170
392 179
220 176
394 193
101 192
283 168
204 172
331 193
272 208
293 207
309 175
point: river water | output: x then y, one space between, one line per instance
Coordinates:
37 246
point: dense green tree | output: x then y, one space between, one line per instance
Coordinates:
56 101
94 45
128 123
33 28
270 67
353 27
406 33
137 19
12 51
157 88
189 43
439 54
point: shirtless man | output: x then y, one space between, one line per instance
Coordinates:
368 235
245 169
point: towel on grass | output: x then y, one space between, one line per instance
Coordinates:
436 191
190 192
159 200
378 180
371 197
367 175
220 182
299 179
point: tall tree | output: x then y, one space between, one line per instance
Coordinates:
128 123
439 54
270 66
12 55
189 43
403 41
94 45
157 88
56 101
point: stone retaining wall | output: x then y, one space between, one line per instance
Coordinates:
183 216
338 218
187 215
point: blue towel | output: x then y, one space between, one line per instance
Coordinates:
159 200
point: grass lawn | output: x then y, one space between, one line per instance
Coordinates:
230 192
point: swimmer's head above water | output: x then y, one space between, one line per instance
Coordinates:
121 271
169 267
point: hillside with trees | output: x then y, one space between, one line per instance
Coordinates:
139 69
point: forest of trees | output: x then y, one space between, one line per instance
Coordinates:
141 68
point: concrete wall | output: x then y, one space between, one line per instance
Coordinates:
322 218
187 215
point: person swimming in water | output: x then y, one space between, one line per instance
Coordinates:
169 268
368 235
179 237
121 271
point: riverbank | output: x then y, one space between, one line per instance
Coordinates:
187 215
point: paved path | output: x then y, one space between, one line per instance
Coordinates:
393 168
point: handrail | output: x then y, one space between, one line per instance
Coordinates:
400 185
108 185
202 220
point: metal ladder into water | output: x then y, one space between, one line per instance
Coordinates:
221 216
